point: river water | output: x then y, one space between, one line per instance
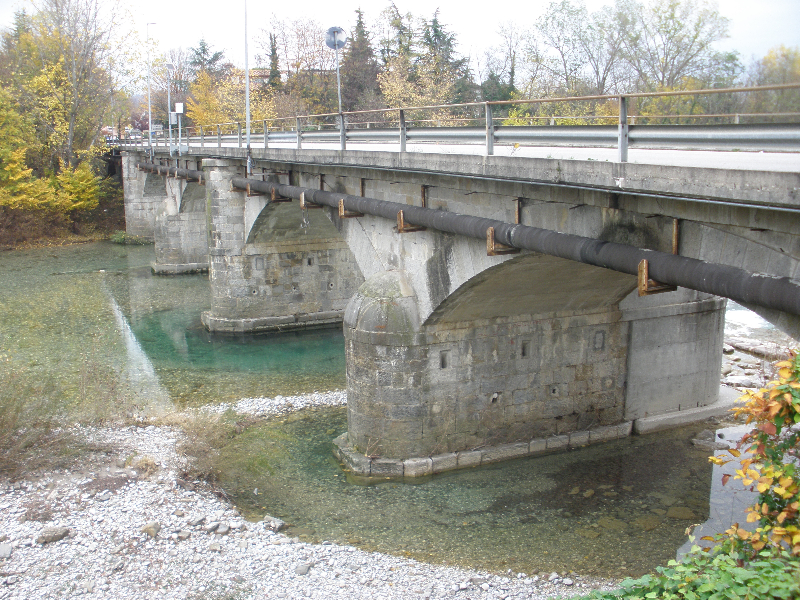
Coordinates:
92 319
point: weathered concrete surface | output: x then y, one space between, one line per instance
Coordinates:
268 270
181 231
144 195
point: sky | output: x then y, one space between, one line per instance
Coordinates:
755 27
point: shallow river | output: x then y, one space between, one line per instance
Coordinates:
91 319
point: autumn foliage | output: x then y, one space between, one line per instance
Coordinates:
768 457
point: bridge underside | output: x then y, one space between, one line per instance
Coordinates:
457 356
516 364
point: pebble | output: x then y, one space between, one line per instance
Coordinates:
114 557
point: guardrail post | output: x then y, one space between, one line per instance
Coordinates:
622 136
219 137
266 135
735 119
342 133
299 133
239 131
402 130
489 130
202 137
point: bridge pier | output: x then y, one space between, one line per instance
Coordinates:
269 269
144 194
181 228
426 398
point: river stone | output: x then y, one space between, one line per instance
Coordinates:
740 381
590 534
611 523
5 550
680 512
151 529
303 569
647 522
52 534
223 529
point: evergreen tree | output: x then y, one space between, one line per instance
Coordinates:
274 80
359 70
203 60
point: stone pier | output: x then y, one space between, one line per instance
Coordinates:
271 267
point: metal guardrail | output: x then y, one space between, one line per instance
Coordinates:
623 135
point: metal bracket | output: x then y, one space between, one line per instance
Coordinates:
423 196
402 227
274 196
518 211
307 205
495 249
647 286
345 214
251 194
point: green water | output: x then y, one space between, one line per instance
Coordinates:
79 311
93 315
600 510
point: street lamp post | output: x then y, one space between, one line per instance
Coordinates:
336 38
149 110
247 94
170 69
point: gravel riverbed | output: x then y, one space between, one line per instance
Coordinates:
125 528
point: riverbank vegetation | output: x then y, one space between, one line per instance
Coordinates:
747 563
60 77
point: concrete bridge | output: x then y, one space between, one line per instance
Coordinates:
493 307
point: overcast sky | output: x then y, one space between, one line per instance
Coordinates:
755 27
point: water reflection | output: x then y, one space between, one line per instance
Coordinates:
616 509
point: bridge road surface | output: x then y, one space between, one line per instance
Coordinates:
785 162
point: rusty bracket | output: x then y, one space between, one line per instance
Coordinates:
307 205
250 193
495 249
423 196
363 187
402 227
647 286
345 214
518 211
276 197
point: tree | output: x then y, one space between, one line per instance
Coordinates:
65 63
669 41
274 80
560 29
499 82
359 70
204 60
399 36
780 65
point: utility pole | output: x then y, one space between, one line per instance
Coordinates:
149 110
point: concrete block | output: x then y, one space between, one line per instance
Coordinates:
557 442
603 434
469 458
386 467
537 446
504 452
444 462
417 467
578 439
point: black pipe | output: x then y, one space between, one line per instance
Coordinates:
172 171
779 293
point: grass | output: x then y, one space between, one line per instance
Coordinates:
121 237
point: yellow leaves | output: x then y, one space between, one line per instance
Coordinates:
735 452
752 517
